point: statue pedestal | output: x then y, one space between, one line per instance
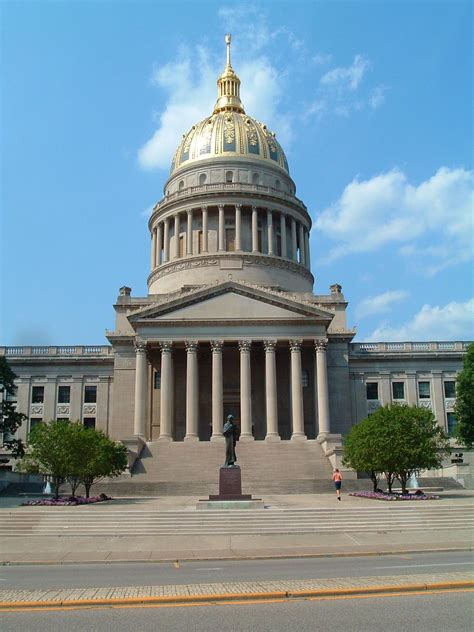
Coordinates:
230 493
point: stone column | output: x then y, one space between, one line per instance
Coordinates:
166 394
254 229
301 240
159 245
176 236
437 398
204 229
385 396
238 227
153 249
297 414
270 232
412 395
283 234
217 391
307 249
192 391
323 394
189 233
221 246
141 374
271 391
245 391
294 245
166 241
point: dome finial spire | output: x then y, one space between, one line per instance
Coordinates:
228 39
228 86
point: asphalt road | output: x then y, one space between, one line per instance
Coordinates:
145 574
443 612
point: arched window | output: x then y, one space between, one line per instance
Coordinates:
181 185
255 178
229 176
277 185
202 179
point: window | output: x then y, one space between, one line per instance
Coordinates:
157 380
37 394
230 239
305 378
202 179
89 422
450 389
424 390
90 394
255 178
277 185
229 176
372 389
200 241
34 422
181 185
451 420
398 390
64 394
11 397
181 246
62 419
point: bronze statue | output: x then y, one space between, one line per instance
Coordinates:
231 433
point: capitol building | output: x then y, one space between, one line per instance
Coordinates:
231 322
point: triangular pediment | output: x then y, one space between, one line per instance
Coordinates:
231 301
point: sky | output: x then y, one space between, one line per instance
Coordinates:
372 102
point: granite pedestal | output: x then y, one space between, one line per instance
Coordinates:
230 493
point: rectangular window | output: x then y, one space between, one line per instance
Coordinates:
89 422
11 397
157 381
200 242
450 389
451 420
90 394
62 419
181 246
230 239
34 422
37 395
304 378
424 390
64 394
372 389
398 390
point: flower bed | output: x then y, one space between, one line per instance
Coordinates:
68 501
386 496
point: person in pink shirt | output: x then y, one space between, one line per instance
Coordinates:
337 478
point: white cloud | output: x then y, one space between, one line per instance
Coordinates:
387 209
321 59
454 321
377 96
379 304
349 77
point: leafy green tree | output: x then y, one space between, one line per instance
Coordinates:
99 457
464 408
49 451
397 441
10 419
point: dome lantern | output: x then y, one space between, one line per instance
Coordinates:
228 87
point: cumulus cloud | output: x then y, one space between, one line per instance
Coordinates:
431 222
380 303
347 77
454 321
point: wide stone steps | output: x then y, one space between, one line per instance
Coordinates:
91 521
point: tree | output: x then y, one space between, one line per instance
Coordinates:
397 441
10 419
464 408
99 457
49 451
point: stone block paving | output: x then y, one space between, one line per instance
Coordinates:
233 590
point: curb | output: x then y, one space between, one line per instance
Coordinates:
239 558
226 597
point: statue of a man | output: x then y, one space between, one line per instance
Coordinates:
231 433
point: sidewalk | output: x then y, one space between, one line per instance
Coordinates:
241 591
363 527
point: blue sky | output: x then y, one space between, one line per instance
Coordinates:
372 102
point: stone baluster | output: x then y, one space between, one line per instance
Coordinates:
297 411
283 234
217 391
271 391
221 245
192 391
245 391
323 394
166 392
254 229
238 227
139 419
189 233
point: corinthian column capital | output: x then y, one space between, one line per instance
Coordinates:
166 346
245 346
295 345
216 346
140 346
269 345
321 345
191 345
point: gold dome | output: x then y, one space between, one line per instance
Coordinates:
229 132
